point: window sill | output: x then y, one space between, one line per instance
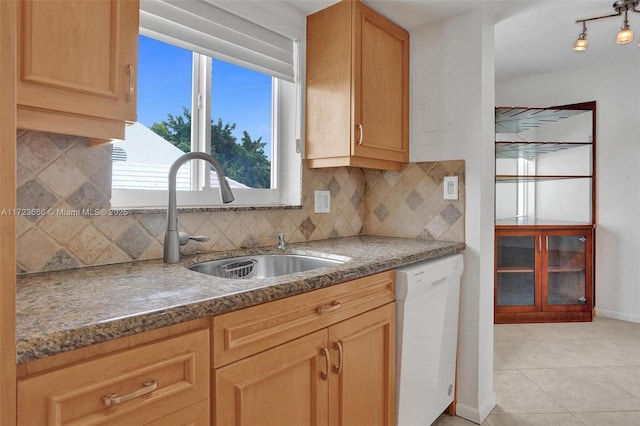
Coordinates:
155 210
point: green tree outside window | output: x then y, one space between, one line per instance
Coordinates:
244 162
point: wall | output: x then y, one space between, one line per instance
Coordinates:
452 114
69 185
617 157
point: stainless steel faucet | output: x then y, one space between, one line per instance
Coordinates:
281 243
172 238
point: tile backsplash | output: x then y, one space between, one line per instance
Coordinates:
64 189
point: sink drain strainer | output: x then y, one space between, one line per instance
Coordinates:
238 269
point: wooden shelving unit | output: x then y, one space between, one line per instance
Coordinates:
544 256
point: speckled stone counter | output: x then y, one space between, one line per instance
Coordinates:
66 310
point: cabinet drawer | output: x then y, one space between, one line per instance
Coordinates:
241 333
134 386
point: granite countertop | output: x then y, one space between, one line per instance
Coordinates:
65 310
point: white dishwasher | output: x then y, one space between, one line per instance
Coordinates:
427 305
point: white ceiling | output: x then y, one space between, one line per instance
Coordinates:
532 36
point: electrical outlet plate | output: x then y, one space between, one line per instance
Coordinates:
451 187
322 201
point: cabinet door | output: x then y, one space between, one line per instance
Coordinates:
77 57
567 271
380 87
281 386
517 271
362 383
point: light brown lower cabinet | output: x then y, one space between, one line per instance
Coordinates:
340 374
165 382
362 386
325 357
343 375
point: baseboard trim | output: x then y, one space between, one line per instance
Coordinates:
476 415
616 315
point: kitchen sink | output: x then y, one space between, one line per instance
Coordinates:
265 265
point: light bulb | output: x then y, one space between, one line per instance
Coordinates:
581 44
625 35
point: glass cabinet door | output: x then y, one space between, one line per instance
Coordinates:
516 272
566 270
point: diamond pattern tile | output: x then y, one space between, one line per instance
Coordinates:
451 214
61 260
307 227
62 177
35 151
413 200
381 212
334 187
88 244
89 160
61 172
134 241
88 197
410 203
34 249
356 199
63 225
35 197
154 223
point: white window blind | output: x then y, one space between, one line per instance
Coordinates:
201 27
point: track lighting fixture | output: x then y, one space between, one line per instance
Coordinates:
581 43
625 35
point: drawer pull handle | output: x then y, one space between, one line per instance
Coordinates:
113 398
337 369
360 134
324 375
328 308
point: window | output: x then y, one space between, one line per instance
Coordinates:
188 100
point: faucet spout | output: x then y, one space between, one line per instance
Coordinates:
171 237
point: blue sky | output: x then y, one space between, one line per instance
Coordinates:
239 96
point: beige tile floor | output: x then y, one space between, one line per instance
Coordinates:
565 374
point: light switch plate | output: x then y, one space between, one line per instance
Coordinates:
451 187
322 201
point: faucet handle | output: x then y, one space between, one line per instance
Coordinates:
184 238
281 241
200 238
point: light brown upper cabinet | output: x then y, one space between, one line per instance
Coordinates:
357 89
77 63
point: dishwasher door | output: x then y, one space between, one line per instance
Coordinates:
427 305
